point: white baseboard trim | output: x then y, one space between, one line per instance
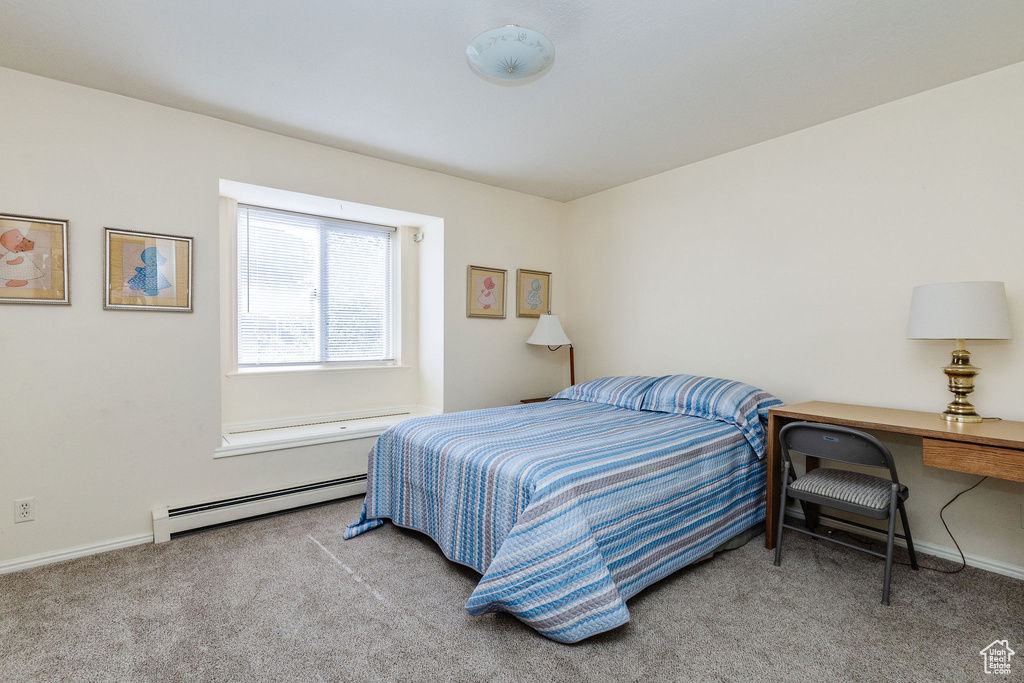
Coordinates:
164 526
8 566
988 564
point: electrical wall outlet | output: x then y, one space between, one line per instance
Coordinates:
24 510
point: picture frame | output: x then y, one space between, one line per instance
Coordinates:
33 260
533 293
147 271
485 292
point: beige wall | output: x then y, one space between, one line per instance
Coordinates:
108 414
790 264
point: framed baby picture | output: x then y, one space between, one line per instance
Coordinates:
485 292
148 272
33 260
533 293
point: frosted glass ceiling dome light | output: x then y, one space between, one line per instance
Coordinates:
510 54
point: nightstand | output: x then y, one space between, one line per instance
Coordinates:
535 400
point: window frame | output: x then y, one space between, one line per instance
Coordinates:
305 367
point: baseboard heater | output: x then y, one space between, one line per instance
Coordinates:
167 521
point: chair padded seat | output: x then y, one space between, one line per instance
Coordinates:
851 487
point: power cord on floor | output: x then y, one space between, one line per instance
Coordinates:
963 560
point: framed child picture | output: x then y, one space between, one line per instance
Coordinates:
485 292
148 272
533 293
33 260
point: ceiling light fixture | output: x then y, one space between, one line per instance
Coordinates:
510 55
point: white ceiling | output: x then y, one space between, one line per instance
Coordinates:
636 88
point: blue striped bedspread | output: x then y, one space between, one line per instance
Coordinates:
567 508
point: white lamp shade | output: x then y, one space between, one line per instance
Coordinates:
548 332
959 310
510 53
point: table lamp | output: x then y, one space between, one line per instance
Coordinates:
549 333
960 311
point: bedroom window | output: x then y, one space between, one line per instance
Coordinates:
314 290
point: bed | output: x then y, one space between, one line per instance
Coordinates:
569 507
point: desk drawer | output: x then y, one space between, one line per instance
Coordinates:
1002 463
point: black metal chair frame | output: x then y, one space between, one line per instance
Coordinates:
842 444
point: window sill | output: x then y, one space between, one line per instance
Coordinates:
312 370
245 439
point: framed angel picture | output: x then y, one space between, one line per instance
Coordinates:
533 293
148 271
485 292
33 260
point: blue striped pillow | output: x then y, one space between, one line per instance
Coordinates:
722 400
625 392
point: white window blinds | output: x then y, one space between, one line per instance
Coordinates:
313 289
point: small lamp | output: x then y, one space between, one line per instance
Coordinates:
960 311
549 333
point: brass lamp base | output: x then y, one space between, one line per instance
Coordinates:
961 382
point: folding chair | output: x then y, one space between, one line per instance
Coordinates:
856 492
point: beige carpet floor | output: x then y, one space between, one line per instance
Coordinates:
286 599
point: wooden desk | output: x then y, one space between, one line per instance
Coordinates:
994 448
